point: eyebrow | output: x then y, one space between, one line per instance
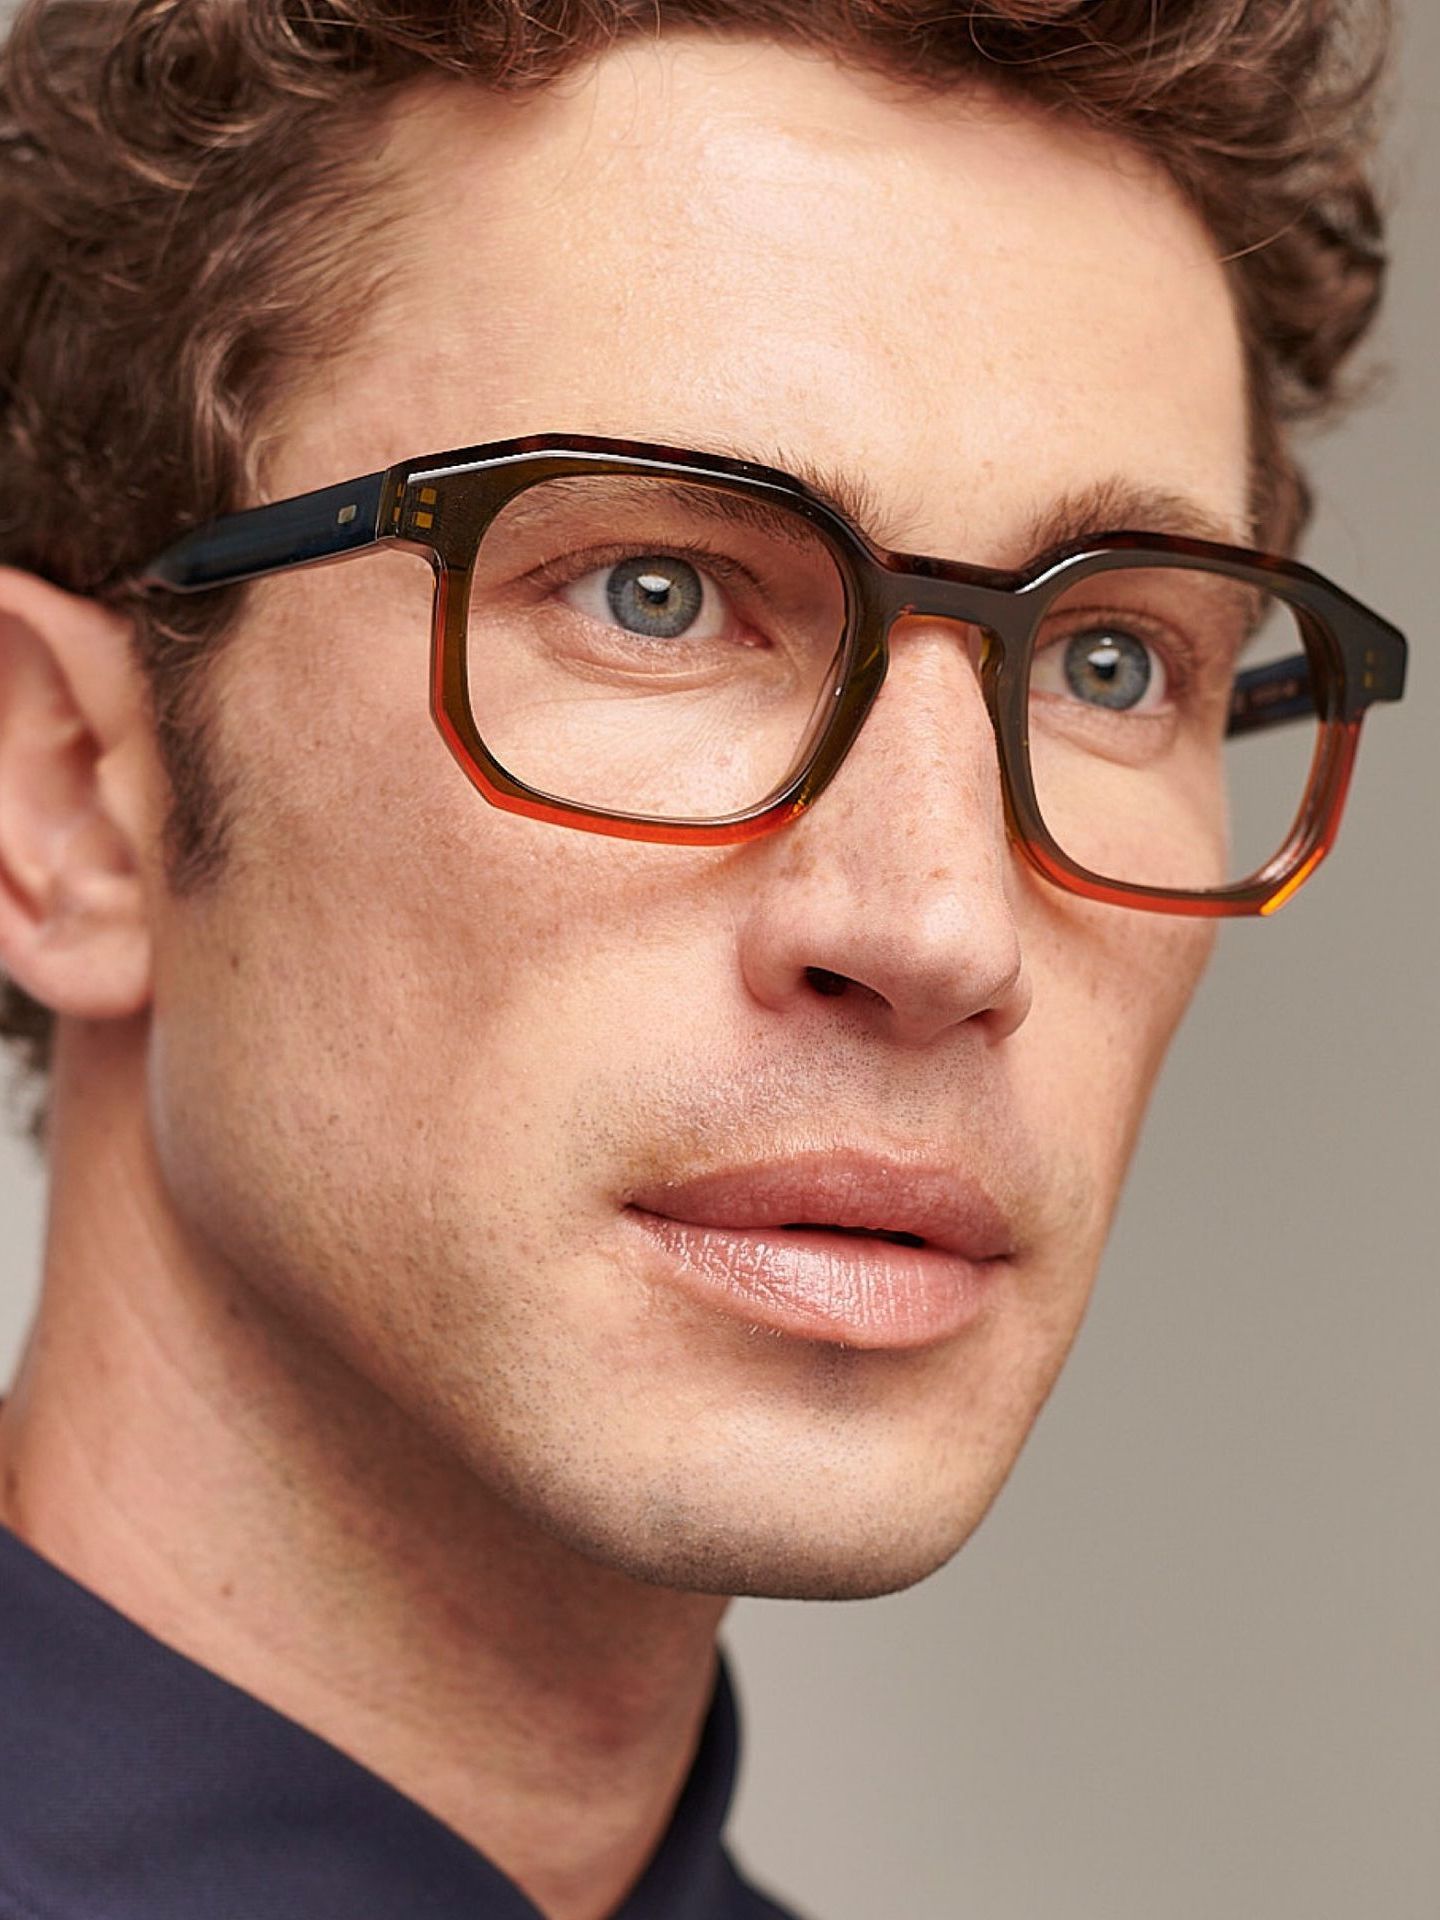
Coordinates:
530 510
1112 505
853 496
1127 506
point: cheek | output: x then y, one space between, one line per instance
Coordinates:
406 982
1111 985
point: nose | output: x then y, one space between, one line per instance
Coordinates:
895 890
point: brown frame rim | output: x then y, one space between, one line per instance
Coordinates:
1358 658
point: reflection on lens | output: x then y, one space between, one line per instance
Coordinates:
652 646
1153 753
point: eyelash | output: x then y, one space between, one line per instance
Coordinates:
564 571
1177 653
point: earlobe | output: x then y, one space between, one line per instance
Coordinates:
76 804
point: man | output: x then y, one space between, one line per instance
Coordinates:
597 1008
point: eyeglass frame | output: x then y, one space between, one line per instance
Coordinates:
442 504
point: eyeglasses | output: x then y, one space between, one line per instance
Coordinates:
675 646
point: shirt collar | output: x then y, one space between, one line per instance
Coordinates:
137 1784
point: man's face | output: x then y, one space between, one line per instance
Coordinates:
414 1058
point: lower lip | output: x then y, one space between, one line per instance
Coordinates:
842 1288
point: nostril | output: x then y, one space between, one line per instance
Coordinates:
823 981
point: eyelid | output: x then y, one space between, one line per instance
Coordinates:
565 570
1177 652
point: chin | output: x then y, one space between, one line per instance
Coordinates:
827 1551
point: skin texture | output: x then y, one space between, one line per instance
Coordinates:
348 1361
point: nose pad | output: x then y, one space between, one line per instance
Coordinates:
979 644
972 639
927 745
944 638
983 650
888 660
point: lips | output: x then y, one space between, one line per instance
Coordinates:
840 1247
854 1193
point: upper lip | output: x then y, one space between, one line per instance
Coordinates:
841 1188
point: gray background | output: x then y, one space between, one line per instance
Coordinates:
1190 1665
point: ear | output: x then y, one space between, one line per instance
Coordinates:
78 804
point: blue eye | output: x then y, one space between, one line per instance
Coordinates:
1102 666
656 597
652 596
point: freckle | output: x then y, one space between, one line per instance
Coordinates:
234 963
227 1591
12 1486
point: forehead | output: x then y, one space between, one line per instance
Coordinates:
960 309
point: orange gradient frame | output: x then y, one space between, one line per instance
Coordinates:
441 505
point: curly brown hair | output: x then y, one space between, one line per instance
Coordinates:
179 237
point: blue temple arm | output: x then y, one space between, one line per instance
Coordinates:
313 526
1265 696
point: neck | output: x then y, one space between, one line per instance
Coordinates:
244 1494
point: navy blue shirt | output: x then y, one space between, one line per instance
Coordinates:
136 1785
